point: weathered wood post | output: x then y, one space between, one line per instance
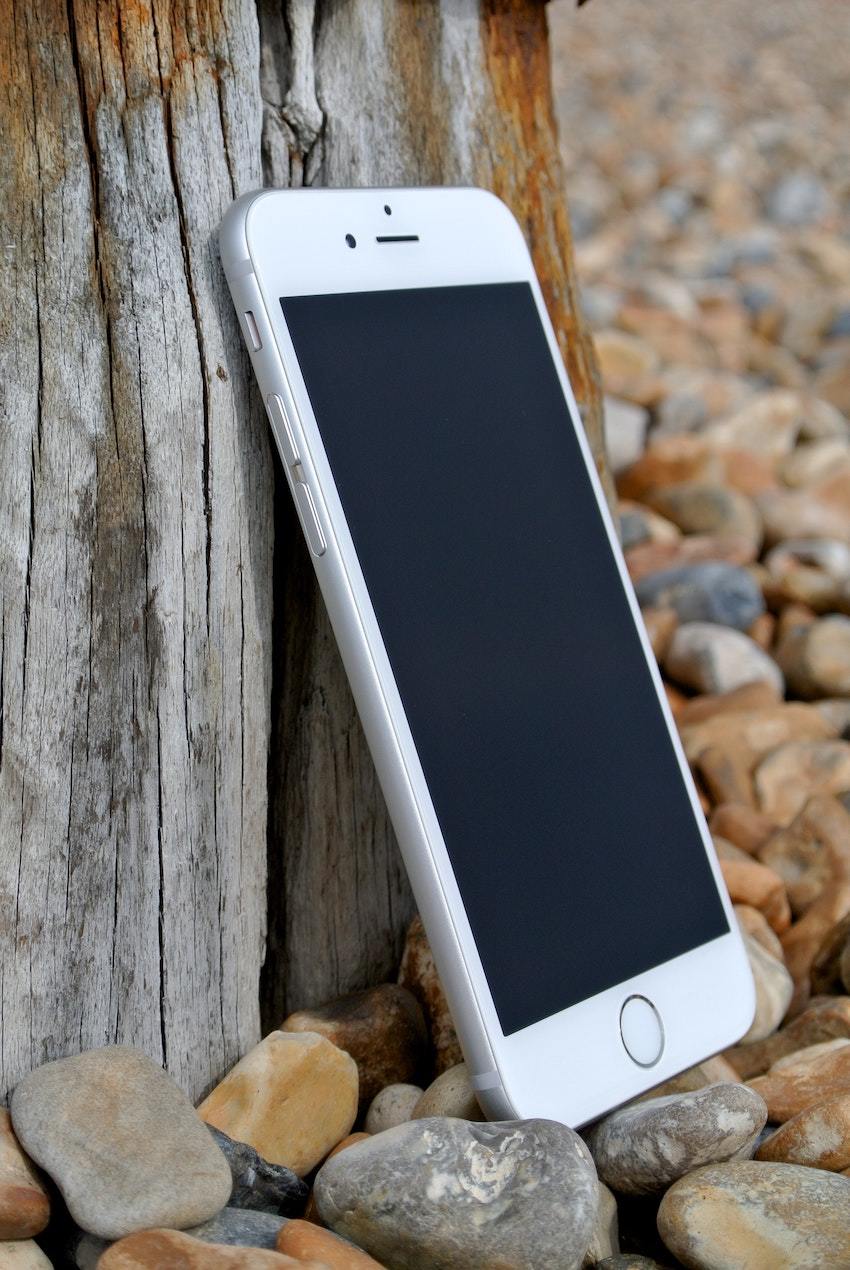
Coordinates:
164 659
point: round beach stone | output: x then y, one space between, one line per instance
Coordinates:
788 776
121 1141
259 1185
418 972
23 1254
703 508
816 660
451 1094
642 1148
711 658
306 1241
824 1019
791 1089
774 990
764 1216
382 1028
24 1204
291 1098
831 965
818 1137
393 1105
520 1194
175 1250
605 1240
706 592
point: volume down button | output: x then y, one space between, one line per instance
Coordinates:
309 519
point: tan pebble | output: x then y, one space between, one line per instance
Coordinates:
820 510
419 973
816 659
174 1250
743 825
748 699
812 852
382 1028
660 625
292 1098
727 850
756 731
699 507
628 366
669 461
23 1254
763 630
824 1019
789 775
24 1205
311 1213
606 1234
805 937
793 617
754 923
808 1054
711 658
650 557
774 989
393 1105
305 1241
675 699
769 424
752 883
830 970
724 772
762 1216
790 1090
818 1137
451 1094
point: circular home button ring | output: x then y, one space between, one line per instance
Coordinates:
642 1031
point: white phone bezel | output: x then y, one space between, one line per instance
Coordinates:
571 1066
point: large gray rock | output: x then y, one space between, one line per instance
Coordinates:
710 591
121 1141
776 1216
642 1148
446 1194
259 1185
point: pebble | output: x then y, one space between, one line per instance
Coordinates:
175 1250
711 658
809 1053
710 592
393 1105
820 510
24 1203
642 1148
801 942
660 625
702 508
812 852
605 1241
712 1071
419 973
451 1094
292 1098
798 199
259 1185
774 990
763 1216
382 1028
749 882
236 1227
23 1254
789 775
628 366
754 923
306 1241
790 1090
750 698
121 1141
816 661
818 1137
521 1195
755 731
830 968
628 1261
770 425
747 828
625 433
824 1019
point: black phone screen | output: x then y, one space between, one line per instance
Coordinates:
553 776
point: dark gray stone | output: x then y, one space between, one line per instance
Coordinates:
441 1192
642 1148
707 592
236 1227
259 1185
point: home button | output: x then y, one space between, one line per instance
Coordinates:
642 1031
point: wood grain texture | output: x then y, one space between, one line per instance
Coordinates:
135 557
376 92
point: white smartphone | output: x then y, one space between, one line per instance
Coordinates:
541 799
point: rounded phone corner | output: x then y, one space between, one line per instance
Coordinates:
233 230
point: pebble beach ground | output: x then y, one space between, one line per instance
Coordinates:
707 157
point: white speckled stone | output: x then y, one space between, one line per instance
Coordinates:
443 1193
644 1147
